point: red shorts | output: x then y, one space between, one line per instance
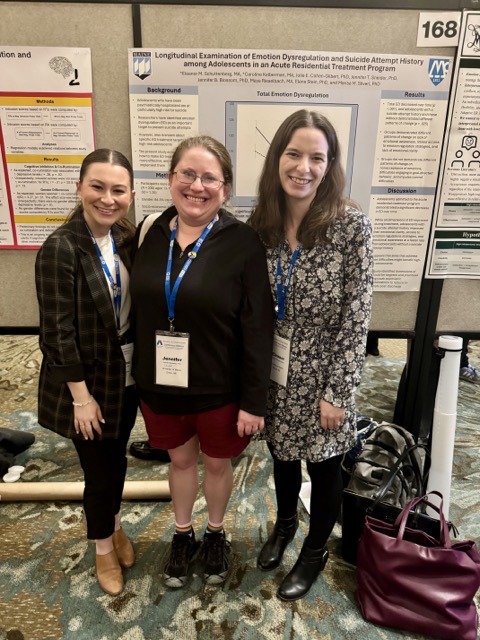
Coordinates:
216 430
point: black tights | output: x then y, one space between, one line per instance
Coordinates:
104 465
326 497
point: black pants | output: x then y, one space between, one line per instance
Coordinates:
326 496
104 465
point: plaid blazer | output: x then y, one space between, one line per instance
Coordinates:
78 335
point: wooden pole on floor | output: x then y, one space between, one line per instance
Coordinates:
35 491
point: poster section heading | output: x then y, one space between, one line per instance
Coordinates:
389 111
46 129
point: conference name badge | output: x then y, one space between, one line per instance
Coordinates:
171 358
128 355
280 360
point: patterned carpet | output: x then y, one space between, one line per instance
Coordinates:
48 588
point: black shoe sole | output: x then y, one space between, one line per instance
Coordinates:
266 570
280 597
158 455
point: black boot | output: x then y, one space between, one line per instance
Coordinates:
305 571
274 548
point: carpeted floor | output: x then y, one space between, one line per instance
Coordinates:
48 588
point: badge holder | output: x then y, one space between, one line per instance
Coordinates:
127 350
280 360
171 358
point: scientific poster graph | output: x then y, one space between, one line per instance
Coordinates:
251 126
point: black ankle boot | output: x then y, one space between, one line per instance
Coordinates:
274 548
304 573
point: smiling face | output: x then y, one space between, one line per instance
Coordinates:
196 204
106 195
303 165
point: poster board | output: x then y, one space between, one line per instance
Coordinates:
388 111
46 129
297 28
455 242
107 31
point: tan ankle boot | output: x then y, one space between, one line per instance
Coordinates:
124 549
109 573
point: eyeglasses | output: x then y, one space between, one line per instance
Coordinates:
188 177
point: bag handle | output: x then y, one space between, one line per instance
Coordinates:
146 224
394 472
401 521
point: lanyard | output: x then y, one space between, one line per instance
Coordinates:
172 295
115 284
282 289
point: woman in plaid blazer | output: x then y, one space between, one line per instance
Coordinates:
85 390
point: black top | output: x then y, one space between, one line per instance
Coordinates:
224 303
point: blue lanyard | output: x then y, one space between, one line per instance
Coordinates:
172 295
282 289
115 284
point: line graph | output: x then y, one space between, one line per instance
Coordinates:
251 127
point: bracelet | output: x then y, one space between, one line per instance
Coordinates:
83 404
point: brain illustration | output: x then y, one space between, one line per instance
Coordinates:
61 65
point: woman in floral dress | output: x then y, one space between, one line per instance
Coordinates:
320 265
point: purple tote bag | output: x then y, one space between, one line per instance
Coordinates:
410 581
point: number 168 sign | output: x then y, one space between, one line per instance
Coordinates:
438 29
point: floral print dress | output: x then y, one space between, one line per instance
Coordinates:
327 313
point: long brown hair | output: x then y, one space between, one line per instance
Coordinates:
268 217
109 156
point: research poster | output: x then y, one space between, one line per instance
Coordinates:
389 111
454 250
46 129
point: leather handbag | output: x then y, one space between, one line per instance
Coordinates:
356 507
412 581
374 502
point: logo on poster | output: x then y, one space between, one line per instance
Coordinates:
142 64
438 69
475 41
